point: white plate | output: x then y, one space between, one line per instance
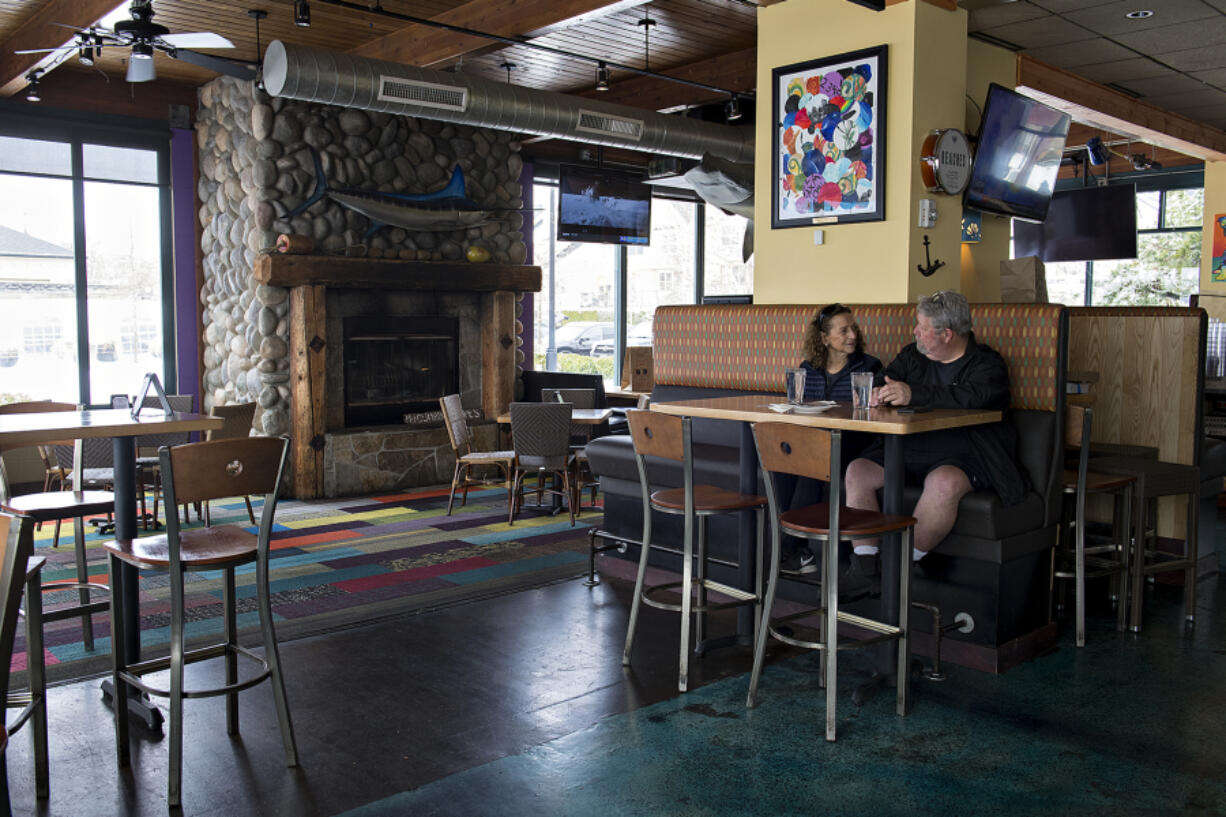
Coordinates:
814 408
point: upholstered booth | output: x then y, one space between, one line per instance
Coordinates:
996 563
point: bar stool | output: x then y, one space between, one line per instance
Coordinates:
669 437
816 453
1154 479
1080 562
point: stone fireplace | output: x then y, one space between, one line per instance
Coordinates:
394 365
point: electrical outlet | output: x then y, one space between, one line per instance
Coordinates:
927 213
819 237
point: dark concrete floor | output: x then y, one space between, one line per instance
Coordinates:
519 705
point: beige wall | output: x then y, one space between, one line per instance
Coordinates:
874 261
1213 293
981 262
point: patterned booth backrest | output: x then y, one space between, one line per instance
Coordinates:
747 347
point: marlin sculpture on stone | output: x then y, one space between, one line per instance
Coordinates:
446 209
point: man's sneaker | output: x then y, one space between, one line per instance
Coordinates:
861 579
799 560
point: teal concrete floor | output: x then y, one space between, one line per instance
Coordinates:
1128 725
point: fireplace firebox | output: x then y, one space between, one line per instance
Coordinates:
396 365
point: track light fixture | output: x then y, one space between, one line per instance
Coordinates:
602 76
302 13
32 90
732 109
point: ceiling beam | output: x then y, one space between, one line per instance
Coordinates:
1111 110
426 46
736 71
39 30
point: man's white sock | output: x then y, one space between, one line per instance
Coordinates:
865 550
917 554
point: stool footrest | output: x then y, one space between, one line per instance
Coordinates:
133 672
740 597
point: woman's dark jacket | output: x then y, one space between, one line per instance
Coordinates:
840 383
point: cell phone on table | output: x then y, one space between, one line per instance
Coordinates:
914 409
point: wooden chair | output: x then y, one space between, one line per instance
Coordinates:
191 473
1076 560
20 572
540 434
461 439
669 437
238 418
804 451
53 506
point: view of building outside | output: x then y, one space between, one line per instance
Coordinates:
663 272
724 273
38 295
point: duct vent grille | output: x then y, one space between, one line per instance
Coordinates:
605 125
423 94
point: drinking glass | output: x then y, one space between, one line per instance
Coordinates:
796 386
861 389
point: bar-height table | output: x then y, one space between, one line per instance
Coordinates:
123 429
893 424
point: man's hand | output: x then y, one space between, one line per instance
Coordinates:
893 393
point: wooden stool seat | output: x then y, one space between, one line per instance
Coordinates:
707 499
200 548
853 522
53 505
1097 483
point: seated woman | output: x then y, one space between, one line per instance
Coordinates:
834 348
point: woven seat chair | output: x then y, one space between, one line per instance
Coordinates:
580 435
147 466
815 453
194 473
461 439
540 435
669 437
54 506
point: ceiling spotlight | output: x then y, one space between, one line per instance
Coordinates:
141 67
302 13
1140 14
602 76
1142 162
32 90
142 51
732 109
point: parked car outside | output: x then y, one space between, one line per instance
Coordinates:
578 337
637 335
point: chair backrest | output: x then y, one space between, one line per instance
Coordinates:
657 435
216 469
178 402
787 448
535 381
30 407
16 545
237 417
540 434
457 427
1077 428
579 398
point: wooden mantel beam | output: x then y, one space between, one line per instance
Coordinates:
290 270
1111 110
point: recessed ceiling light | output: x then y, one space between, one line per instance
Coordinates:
1140 14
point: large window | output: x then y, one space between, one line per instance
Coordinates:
82 268
694 249
1166 270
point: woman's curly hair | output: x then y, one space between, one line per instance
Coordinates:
815 351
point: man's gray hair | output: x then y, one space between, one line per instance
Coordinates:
946 309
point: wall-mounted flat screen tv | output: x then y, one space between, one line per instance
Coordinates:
603 206
1085 224
1017 157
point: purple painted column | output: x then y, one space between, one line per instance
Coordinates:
525 180
183 228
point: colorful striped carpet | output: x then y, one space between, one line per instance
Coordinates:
334 563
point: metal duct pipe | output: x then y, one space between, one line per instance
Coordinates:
315 75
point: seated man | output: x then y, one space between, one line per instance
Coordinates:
944 368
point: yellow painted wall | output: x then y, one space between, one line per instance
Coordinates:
1213 293
981 262
866 261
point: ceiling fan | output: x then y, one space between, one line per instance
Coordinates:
143 36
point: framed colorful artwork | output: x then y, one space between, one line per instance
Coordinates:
1217 270
828 143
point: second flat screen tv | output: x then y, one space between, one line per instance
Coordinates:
1017 157
1085 224
603 206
